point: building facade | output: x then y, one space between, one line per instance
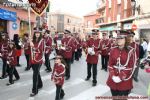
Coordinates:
58 22
90 21
123 14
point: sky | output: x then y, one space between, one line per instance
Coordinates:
75 7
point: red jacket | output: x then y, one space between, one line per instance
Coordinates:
75 44
58 74
48 45
125 74
93 59
12 58
68 44
27 48
37 52
4 49
105 47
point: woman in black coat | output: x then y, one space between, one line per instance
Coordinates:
18 47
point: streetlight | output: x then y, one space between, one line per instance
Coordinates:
133 4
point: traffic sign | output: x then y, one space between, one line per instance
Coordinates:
134 27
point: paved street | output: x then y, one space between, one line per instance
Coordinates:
75 88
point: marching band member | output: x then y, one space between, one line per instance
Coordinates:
67 46
75 44
12 62
56 39
18 47
27 50
48 48
78 52
92 51
133 44
105 47
58 76
36 60
4 53
121 67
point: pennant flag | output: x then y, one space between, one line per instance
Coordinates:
38 6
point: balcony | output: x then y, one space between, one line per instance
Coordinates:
100 20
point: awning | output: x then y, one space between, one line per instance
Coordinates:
8 15
108 28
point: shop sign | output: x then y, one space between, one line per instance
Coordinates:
14 25
127 26
8 15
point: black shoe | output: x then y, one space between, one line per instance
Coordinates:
39 88
48 70
87 79
32 94
94 84
136 80
9 83
17 79
62 96
18 65
27 68
3 77
67 78
102 68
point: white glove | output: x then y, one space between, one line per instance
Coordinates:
93 52
116 79
20 43
7 62
75 50
31 44
0 54
46 52
63 48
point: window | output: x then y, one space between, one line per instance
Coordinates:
118 1
125 13
119 9
109 3
118 17
125 4
68 21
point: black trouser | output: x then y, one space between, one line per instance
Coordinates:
37 82
59 92
5 67
72 59
13 71
47 62
28 60
120 93
18 60
136 72
94 71
68 67
77 55
104 61
80 52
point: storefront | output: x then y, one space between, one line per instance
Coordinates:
5 17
